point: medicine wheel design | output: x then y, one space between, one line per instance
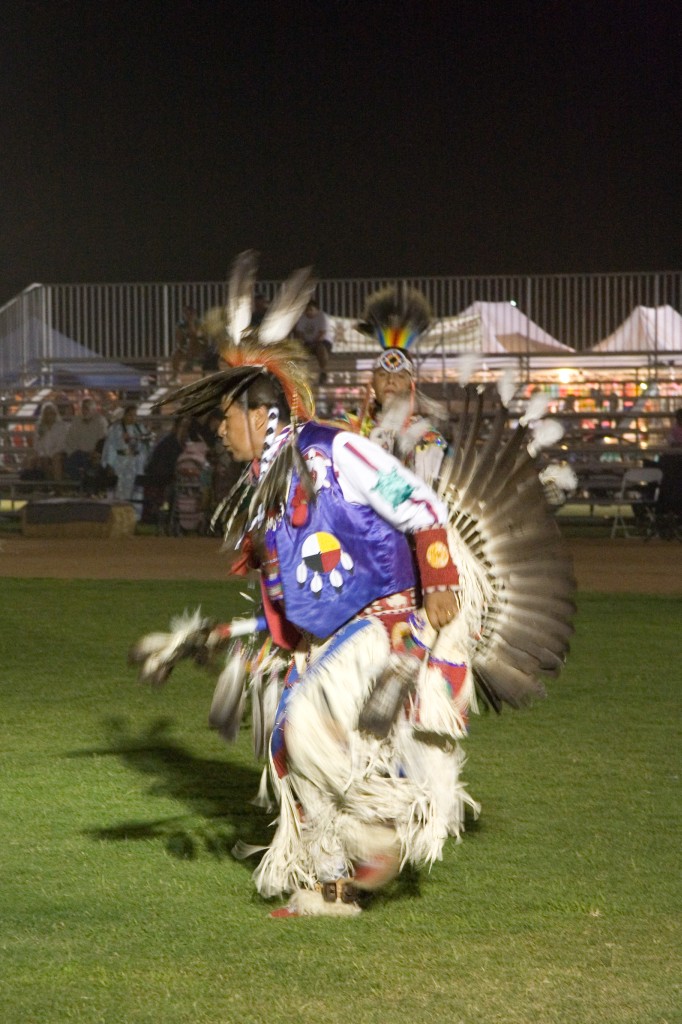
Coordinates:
322 555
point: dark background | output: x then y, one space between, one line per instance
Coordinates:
152 141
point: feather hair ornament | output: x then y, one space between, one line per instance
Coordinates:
240 294
519 594
248 351
251 352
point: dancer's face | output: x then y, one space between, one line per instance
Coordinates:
243 431
386 384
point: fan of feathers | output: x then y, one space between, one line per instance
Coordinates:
499 512
395 307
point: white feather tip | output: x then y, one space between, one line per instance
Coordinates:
506 386
467 365
536 408
562 476
545 434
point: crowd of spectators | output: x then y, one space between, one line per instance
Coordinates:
111 453
117 456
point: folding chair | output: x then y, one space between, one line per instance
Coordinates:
637 499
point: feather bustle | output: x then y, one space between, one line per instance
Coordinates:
499 511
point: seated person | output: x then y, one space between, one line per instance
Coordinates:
47 457
98 480
81 440
314 329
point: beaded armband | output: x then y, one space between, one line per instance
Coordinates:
437 571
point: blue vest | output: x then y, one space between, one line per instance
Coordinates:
342 558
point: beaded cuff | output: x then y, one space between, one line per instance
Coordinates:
436 569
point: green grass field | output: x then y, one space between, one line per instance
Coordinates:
120 901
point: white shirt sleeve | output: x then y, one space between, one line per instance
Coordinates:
370 476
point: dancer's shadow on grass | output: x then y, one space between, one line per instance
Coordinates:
218 795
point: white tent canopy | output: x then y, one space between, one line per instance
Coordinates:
647 329
506 329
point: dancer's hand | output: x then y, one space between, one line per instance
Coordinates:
440 607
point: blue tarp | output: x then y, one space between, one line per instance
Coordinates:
52 358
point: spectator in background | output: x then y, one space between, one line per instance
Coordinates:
46 460
675 435
612 401
314 329
160 469
224 470
64 407
210 360
125 452
260 308
190 341
81 439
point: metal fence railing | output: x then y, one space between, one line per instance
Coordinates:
134 323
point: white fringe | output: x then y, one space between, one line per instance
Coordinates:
229 696
361 797
438 808
265 689
433 709
262 797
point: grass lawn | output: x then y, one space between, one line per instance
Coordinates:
120 901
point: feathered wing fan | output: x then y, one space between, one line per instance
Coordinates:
518 587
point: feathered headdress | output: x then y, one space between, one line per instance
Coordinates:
396 317
249 353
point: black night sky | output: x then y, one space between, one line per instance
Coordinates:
152 141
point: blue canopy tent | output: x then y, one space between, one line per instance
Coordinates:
38 354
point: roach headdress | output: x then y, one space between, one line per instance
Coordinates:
397 318
250 352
